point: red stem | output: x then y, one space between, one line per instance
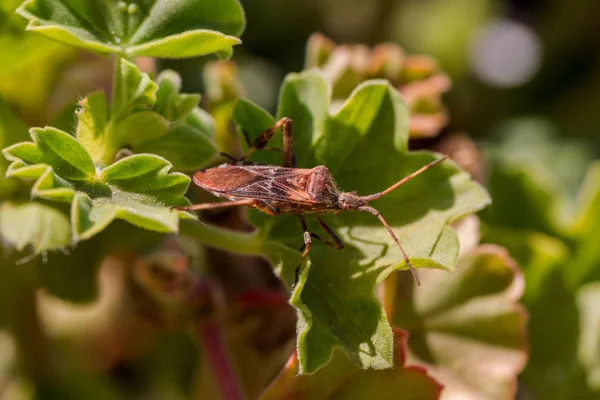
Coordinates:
211 337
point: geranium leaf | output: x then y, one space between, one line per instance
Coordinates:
171 104
335 299
341 379
157 28
138 91
188 144
139 127
558 255
306 99
454 322
63 153
147 117
92 123
138 189
373 121
34 224
251 120
360 115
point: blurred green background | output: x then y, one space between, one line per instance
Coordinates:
525 87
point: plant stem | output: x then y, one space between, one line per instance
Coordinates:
224 239
118 90
211 337
207 301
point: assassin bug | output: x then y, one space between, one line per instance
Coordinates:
287 189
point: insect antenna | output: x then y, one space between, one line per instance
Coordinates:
375 196
376 213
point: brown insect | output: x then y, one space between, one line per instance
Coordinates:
279 190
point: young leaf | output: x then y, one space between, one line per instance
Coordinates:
454 322
156 28
57 149
175 129
137 91
171 104
188 144
341 379
138 189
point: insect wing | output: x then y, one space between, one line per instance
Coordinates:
257 182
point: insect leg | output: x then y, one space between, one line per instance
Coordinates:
338 242
289 159
262 139
247 139
306 247
231 158
376 213
210 206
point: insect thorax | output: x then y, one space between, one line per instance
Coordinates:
321 187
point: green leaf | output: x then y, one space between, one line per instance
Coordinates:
92 123
169 102
335 299
136 91
253 120
175 128
188 144
188 44
454 322
585 265
156 28
138 189
34 224
552 273
139 127
374 159
537 143
341 379
373 104
554 240
58 149
524 198
306 99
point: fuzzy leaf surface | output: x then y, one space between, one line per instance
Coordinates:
155 28
138 189
188 144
